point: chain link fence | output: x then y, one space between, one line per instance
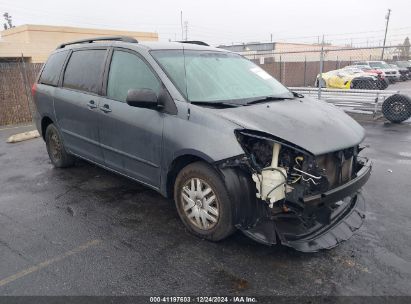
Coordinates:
302 67
358 79
16 79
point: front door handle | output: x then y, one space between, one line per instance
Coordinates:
91 104
105 108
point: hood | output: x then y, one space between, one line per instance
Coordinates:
359 75
314 125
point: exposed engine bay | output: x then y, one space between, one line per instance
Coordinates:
297 186
283 173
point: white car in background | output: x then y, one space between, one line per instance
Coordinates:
391 74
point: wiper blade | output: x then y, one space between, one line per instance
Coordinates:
216 104
267 98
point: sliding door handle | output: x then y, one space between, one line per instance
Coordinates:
91 104
105 108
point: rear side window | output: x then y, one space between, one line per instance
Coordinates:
84 70
52 69
128 71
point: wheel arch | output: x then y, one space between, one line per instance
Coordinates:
45 122
240 186
178 163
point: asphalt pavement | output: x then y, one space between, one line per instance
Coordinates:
86 231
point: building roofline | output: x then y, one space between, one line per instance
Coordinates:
71 29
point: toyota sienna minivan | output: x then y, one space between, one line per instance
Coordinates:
233 147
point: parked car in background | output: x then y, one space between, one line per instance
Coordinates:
404 64
382 82
404 72
231 145
391 74
367 69
348 79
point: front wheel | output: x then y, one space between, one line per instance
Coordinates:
55 148
203 202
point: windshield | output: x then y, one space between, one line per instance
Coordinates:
210 76
403 64
379 65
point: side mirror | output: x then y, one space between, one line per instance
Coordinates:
143 98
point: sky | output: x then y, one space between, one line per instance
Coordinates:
356 22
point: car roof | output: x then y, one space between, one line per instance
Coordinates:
147 45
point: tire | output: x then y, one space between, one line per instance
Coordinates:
55 148
397 108
219 224
382 84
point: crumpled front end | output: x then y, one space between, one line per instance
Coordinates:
287 195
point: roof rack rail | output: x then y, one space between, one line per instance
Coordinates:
194 42
90 40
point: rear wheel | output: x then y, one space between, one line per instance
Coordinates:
382 84
397 108
55 148
203 203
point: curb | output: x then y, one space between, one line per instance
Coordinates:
23 136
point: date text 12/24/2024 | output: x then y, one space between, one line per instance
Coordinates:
174 299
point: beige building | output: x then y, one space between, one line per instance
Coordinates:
35 42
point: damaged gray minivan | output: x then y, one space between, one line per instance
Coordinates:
207 127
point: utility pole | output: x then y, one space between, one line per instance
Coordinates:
181 23
271 37
186 28
320 79
385 35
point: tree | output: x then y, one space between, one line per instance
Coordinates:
405 49
9 22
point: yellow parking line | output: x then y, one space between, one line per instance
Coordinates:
46 263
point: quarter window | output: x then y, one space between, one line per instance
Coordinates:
84 70
128 71
52 69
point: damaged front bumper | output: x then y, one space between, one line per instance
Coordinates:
345 210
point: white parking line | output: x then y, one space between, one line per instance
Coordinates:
48 262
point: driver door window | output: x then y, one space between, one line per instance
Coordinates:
128 71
